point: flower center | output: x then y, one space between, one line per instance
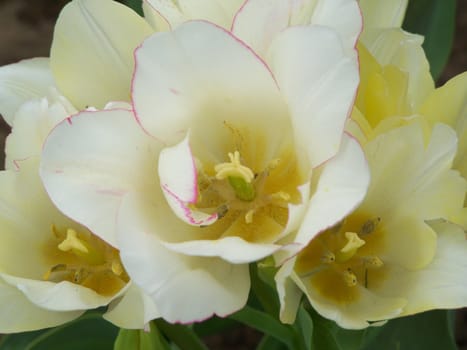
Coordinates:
344 257
82 258
252 205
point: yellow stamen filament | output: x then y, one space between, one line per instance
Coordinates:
249 216
281 195
117 268
234 168
350 278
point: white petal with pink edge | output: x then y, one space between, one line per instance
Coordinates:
319 81
184 288
201 74
179 182
341 188
91 160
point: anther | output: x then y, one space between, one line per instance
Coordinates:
350 278
373 261
328 258
369 226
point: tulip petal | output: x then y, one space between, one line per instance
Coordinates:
18 314
383 14
32 123
288 292
440 284
319 88
92 51
403 50
200 75
179 182
259 21
342 186
91 160
133 310
216 11
184 288
23 81
232 249
369 307
62 296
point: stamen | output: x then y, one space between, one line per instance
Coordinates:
73 243
350 278
373 261
117 268
249 216
369 226
353 242
281 195
234 169
328 258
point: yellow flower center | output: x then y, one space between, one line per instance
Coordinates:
82 258
250 194
344 257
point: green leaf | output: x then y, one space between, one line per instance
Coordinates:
138 339
267 324
304 328
263 287
428 331
270 343
135 5
183 336
328 335
89 332
434 19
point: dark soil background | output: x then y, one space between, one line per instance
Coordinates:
26 28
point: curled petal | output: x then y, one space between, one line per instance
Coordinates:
179 183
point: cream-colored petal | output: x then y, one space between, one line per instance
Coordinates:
289 293
184 288
319 88
133 310
23 81
216 11
33 122
179 183
201 76
154 17
62 296
92 51
439 285
395 47
355 314
409 178
336 196
18 314
91 160
383 14
447 104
